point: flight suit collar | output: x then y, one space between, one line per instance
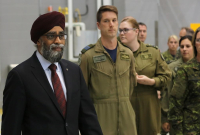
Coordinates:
142 48
120 47
99 47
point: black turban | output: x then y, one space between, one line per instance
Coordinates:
46 22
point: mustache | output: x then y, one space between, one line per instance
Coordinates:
56 45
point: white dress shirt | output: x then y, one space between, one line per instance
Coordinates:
45 65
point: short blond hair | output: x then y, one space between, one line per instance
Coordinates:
173 36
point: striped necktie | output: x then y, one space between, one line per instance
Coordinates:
58 89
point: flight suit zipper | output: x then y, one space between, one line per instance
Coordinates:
115 72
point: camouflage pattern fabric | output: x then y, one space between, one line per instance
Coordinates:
168 57
184 105
165 94
178 54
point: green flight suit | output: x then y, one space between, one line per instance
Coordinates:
184 101
168 57
110 85
144 99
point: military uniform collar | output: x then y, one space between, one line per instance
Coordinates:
142 48
99 47
194 63
181 60
193 60
169 54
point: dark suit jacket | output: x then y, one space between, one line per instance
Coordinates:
30 106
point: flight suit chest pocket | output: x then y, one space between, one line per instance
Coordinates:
146 56
101 83
124 77
144 61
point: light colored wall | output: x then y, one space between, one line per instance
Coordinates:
16 18
144 11
120 4
170 14
174 14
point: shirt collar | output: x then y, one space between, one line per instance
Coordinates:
99 46
45 63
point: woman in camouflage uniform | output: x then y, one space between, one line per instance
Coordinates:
153 74
187 53
184 105
171 54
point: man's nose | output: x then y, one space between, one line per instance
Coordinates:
57 40
111 23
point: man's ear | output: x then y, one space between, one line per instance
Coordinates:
38 42
98 25
39 45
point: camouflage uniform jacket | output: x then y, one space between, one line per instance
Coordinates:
184 106
165 99
168 57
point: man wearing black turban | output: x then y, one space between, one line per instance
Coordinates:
45 95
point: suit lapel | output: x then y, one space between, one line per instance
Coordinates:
68 82
40 75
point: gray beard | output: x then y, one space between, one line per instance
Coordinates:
51 55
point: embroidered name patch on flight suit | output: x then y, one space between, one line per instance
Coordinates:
125 57
146 56
99 58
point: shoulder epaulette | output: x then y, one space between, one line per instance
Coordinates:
87 48
148 45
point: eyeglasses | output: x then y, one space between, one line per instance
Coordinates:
198 40
54 36
125 30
